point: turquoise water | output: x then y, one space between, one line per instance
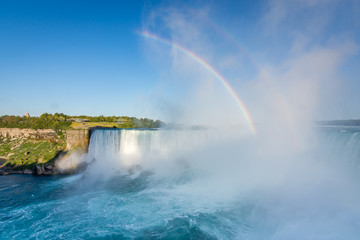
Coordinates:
317 199
119 208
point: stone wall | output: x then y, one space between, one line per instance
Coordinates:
74 138
77 138
40 134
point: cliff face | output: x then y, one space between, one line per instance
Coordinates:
37 151
77 138
39 134
74 138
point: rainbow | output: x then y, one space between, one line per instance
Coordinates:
209 68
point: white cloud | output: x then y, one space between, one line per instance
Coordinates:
291 16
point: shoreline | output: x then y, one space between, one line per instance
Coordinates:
37 170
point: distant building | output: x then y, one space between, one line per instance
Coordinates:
27 115
77 120
120 120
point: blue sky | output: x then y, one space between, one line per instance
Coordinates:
78 57
87 57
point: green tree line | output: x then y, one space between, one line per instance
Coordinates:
59 121
45 121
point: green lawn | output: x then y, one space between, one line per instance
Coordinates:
25 153
86 125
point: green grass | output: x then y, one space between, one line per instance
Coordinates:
5 146
86 125
25 153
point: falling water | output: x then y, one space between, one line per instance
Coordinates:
131 147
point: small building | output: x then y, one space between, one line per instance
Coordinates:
27 115
77 120
120 120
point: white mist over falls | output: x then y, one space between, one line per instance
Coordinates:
217 184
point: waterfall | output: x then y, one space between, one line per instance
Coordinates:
140 146
341 145
130 147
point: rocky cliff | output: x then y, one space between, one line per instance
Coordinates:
74 138
78 138
39 134
37 151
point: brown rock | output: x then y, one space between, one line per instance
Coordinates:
28 171
77 138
